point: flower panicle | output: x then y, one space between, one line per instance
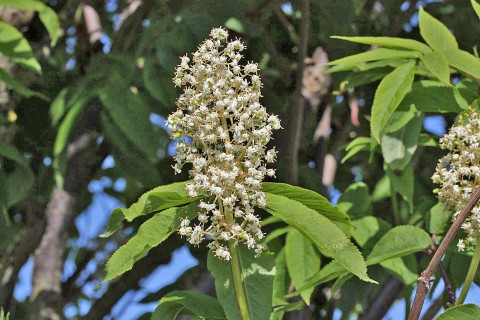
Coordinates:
458 172
223 132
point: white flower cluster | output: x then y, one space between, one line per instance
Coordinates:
223 132
458 172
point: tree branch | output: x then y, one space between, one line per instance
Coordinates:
426 277
298 107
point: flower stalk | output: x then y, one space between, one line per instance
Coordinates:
472 270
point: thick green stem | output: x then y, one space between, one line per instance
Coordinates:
236 269
471 274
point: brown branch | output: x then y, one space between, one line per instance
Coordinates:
298 107
157 256
426 277
277 11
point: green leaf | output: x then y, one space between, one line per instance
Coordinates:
376 54
325 235
390 92
177 196
311 200
235 25
464 61
360 78
400 119
14 46
188 302
389 42
355 146
468 311
437 64
399 147
257 280
368 230
63 134
150 234
16 183
398 242
476 7
437 219
355 200
159 87
281 280
303 262
46 14
19 87
132 116
403 183
435 33
433 96
405 268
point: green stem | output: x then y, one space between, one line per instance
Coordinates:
236 269
396 212
471 274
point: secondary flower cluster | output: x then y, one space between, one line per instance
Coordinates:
458 172
223 132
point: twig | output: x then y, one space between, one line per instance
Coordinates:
433 309
425 278
298 107
285 23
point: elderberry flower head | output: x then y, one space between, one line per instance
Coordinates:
458 173
223 132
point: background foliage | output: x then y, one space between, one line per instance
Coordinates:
86 84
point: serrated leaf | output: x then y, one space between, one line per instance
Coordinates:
435 33
355 200
311 200
188 302
17 182
46 14
376 54
150 234
399 147
390 92
464 61
15 47
257 276
437 64
467 311
389 42
19 87
140 208
433 96
476 7
325 235
398 242
303 261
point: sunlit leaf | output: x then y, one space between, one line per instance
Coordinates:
325 235
389 94
435 33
